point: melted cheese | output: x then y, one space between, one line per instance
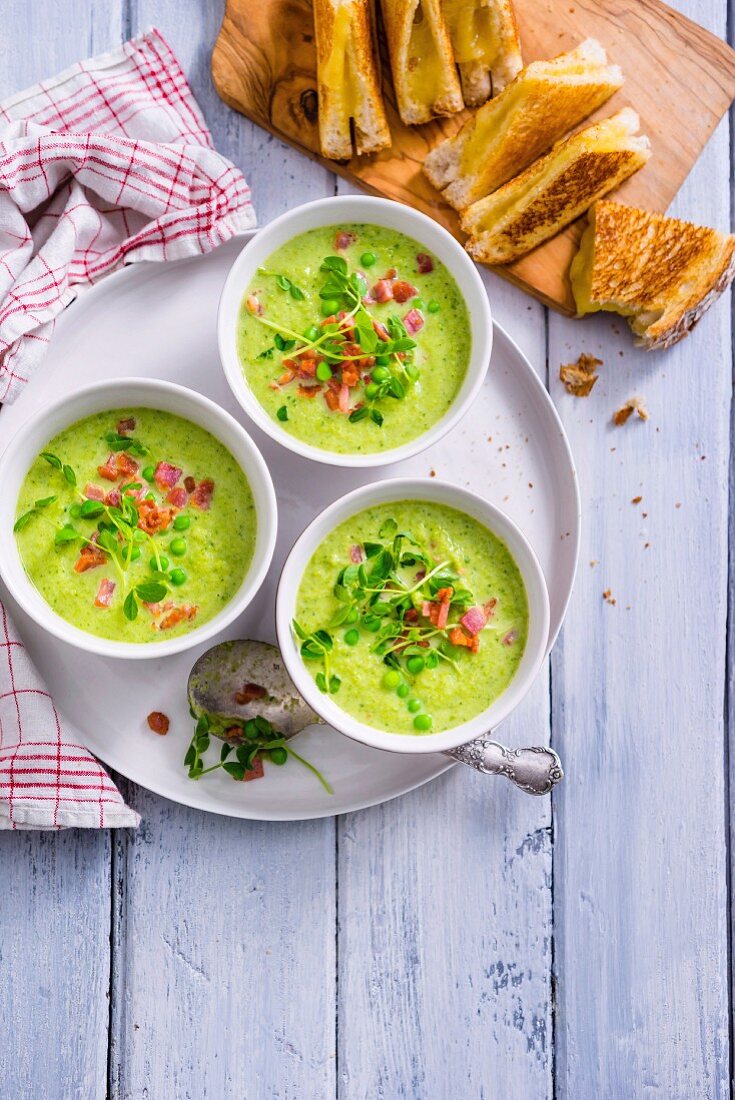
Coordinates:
336 72
473 31
423 60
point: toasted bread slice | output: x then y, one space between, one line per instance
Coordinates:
347 75
487 50
545 101
661 273
555 190
424 75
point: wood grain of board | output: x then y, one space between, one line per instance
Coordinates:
679 77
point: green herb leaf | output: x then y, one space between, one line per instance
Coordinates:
358 414
45 501
296 293
267 354
69 474
376 417
130 607
388 530
24 520
66 534
51 459
282 413
151 591
91 509
237 771
283 282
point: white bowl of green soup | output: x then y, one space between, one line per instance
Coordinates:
412 615
137 518
354 331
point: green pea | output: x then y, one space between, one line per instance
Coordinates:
329 306
178 547
352 615
414 705
381 374
433 306
75 511
135 553
278 756
139 536
423 722
402 691
371 389
154 564
148 473
177 576
415 665
368 259
382 360
391 679
431 660
313 332
352 637
182 522
418 303
371 624
323 371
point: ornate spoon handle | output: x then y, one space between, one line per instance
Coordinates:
535 770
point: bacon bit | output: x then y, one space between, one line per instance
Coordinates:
403 291
249 692
109 470
256 772
391 273
474 620
190 484
458 637
356 554
426 609
343 398
350 376
126 425
254 305
411 615
154 608
151 518
380 330
94 492
489 608
104 593
510 637
307 368
332 400
89 558
286 377
579 378
113 498
442 615
329 320
158 722
421 573
424 262
633 404
343 239
185 612
274 385
367 299
309 391
178 497
383 291
201 498
126 466
166 475
414 321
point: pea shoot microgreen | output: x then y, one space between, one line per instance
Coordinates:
285 284
247 740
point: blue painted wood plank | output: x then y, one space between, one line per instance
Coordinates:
640 863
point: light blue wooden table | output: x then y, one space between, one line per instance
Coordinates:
464 941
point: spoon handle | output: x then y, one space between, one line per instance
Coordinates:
535 770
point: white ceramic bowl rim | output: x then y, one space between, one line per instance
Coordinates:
120 393
338 211
494 519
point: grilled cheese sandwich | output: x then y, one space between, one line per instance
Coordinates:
661 273
424 76
555 190
545 101
487 51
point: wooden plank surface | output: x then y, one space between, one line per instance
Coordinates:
641 844
264 65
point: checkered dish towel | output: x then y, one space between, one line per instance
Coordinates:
47 780
120 148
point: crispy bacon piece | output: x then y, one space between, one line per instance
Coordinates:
190 484
489 607
351 375
343 398
510 637
104 593
126 425
201 498
109 470
113 498
424 263
309 391
343 239
356 554
331 399
256 772
391 273
126 466
185 612
166 475
380 330
383 291
474 620
89 558
249 692
178 497
414 321
458 637
411 615
158 722
94 492
152 518
403 291
254 305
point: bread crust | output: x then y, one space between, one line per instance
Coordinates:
399 17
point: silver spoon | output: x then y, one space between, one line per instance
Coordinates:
242 679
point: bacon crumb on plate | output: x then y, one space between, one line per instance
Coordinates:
158 722
249 692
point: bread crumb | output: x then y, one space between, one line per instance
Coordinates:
636 500
432 472
678 504
608 597
579 378
632 405
593 563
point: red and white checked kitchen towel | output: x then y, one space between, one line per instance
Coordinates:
120 148
47 780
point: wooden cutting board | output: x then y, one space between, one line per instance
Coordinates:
678 76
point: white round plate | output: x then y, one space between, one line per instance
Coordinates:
159 320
